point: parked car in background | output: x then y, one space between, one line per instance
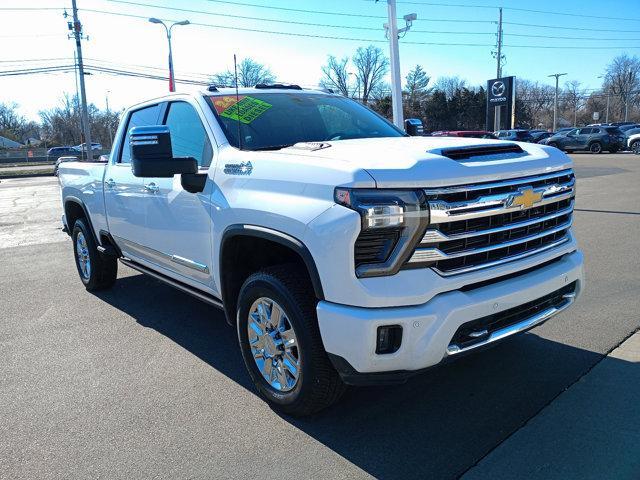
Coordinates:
539 135
60 160
633 140
620 124
514 135
465 133
592 139
83 146
56 152
626 128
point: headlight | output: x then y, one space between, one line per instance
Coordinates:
392 224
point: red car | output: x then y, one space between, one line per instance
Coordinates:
464 133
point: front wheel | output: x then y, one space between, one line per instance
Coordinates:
595 147
96 271
635 147
281 344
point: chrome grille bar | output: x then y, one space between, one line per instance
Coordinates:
434 254
443 212
436 236
502 183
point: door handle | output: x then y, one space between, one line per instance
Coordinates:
151 187
110 183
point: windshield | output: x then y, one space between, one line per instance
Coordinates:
270 121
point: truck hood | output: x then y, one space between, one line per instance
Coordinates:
409 162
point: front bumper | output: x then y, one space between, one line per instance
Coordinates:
349 333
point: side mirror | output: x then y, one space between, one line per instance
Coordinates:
152 156
414 127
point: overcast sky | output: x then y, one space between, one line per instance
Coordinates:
127 42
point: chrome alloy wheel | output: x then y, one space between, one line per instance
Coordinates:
82 253
273 344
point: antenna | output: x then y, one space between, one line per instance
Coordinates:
235 70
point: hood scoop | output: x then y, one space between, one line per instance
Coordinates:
483 153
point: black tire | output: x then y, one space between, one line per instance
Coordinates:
318 384
595 147
635 147
103 270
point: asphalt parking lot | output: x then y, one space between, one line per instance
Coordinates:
143 381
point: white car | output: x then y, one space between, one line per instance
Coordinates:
341 250
83 146
633 143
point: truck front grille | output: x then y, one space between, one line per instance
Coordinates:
482 225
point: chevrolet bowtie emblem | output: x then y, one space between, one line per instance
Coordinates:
525 198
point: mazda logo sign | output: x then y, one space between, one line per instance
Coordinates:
498 88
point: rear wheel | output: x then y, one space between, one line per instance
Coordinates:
96 271
281 344
595 147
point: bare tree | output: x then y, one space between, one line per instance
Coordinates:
623 80
450 85
12 123
336 77
250 73
573 99
371 67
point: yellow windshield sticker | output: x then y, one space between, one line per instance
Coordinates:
245 111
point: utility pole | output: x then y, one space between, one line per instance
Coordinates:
555 99
77 33
497 123
393 33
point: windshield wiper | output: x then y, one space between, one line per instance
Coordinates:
272 147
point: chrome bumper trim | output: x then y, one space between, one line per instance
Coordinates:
526 324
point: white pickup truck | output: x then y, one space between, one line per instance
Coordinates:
342 250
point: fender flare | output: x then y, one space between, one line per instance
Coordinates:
279 237
76 200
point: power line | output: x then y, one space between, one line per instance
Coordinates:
569 28
369 40
18 9
518 9
203 12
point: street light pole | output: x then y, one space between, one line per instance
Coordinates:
172 85
555 99
394 59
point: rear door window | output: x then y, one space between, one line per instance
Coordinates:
144 117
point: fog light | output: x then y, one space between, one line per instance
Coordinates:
389 339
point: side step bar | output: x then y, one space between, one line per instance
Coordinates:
210 299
